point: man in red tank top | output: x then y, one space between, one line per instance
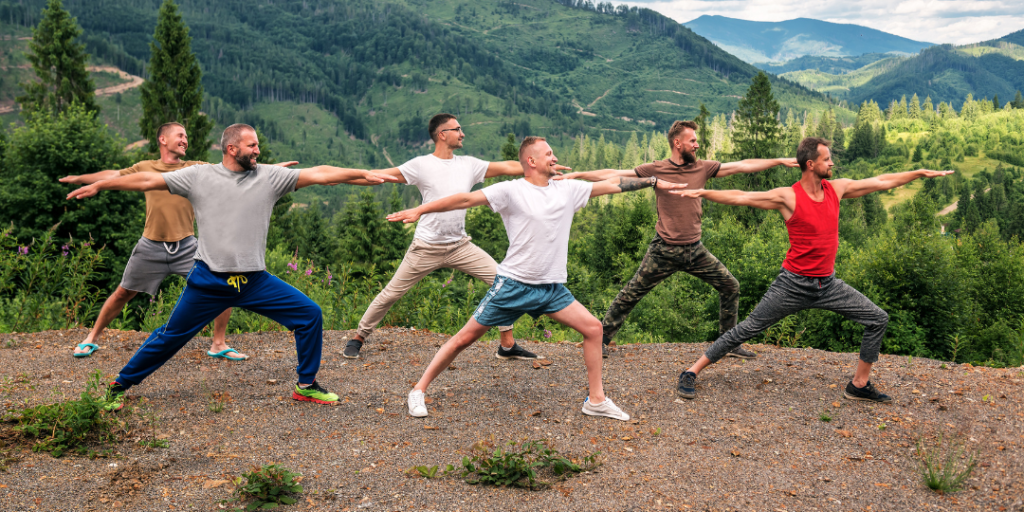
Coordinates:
807 279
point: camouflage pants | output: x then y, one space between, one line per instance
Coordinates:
661 261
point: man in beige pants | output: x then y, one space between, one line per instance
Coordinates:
441 240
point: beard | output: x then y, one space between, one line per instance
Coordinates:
245 161
689 157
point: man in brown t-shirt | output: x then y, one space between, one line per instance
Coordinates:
677 247
167 246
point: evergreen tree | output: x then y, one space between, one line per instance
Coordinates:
510 150
794 133
59 62
995 102
839 140
757 131
914 108
874 211
918 156
174 90
703 121
927 109
1018 101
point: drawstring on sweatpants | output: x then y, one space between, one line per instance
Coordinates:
167 247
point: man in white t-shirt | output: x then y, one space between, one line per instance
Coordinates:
537 213
441 240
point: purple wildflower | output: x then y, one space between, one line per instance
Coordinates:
329 276
446 283
309 271
22 250
292 266
547 333
64 250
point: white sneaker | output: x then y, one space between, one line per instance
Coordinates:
606 408
417 407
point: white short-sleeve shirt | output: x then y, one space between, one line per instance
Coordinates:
437 178
537 220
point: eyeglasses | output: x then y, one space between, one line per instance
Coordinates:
459 129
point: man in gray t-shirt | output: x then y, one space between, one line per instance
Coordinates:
233 201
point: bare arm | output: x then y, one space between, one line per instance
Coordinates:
619 184
600 175
89 179
513 168
447 204
847 189
328 175
140 182
752 165
781 199
393 172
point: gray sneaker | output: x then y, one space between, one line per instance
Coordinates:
352 349
741 353
516 352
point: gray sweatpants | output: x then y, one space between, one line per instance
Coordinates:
791 293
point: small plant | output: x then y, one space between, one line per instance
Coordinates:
216 400
266 487
824 416
943 366
955 342
430 471
882 426
519 468
940 466
155 443
71 425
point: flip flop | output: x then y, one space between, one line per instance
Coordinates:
223 354
92 348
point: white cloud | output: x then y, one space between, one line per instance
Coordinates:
935 21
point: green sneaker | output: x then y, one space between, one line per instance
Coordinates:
314 393
113 399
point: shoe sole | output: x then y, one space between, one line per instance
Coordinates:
738 356
862 399
302 398
688 396
521 358
346 356
599 415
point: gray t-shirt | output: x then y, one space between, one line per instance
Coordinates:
232 210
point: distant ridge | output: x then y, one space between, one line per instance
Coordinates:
760 41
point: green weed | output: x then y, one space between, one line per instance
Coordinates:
430 471
266 487
824 416
155 443
69 426
511 467
941 467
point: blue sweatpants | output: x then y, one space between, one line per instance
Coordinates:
207 294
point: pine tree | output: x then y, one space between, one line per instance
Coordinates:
995 103
914 108
174 91
510 150
1018 101
839 140
757 131
794 133
59 62
927 109
703 121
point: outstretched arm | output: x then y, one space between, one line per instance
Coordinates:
752 165
781 199
141 182
513 168
328 175
89 179
601 175
453 202
847 189
619 184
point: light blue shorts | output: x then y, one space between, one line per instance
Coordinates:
508 299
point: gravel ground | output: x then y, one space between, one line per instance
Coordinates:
753 440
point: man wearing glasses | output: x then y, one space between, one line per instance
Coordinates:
441 240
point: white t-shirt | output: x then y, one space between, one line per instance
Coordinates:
537 220
438 178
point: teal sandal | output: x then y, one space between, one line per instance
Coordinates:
92 348
223 354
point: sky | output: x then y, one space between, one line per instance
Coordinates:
933 21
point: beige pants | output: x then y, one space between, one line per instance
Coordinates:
421 259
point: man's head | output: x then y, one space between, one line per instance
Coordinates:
813 154
239 143
171 138
536 157
445 129
682 138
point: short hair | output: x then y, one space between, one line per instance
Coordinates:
436 122
527 142
160 131
677 129
232 134
808 150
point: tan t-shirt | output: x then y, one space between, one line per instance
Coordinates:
679 217
169 218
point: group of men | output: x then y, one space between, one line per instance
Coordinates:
232 201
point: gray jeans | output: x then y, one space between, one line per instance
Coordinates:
791 293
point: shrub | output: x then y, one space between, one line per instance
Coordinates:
266 487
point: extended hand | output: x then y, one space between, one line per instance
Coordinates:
934 174
70 179
288 164
790 162
83 192
376 177
685 192
668 185
570 176
559 168
406 216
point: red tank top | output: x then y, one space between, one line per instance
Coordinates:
813 233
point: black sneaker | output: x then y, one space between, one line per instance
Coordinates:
516 352
868 393
687 387
352 349
741 353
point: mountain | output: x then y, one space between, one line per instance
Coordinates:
838 84
759 41
830 65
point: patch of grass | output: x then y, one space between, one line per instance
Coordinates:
266 487
824 416
69 426
6 459
519 467
216 400
945 466
429 471
155 443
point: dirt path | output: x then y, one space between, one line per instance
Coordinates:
133 81
952 208
753 440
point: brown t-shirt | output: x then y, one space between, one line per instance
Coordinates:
679 217
169 218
